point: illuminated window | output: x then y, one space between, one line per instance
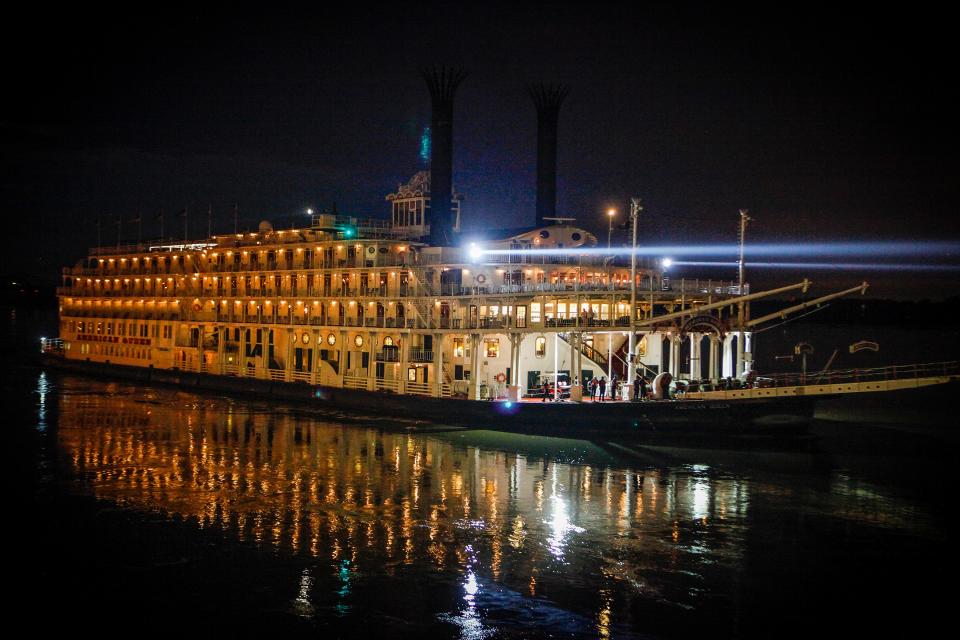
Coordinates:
540 347
458 347
388 341
412 374
358 341
331 339
492 347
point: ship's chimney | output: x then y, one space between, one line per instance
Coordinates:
547 98
442 83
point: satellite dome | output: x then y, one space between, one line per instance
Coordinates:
265 227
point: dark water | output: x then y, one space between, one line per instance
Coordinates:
142 508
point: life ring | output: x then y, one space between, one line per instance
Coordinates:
481 278
197 306
501 378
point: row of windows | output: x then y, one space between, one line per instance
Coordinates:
116 351
132 329
252 259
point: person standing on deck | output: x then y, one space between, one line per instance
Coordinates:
603 387
593 389
546 390
636 388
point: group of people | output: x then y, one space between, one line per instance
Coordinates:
597 388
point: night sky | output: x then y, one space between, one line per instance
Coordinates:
825 124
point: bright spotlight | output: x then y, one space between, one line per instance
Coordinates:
309 212
474 252
666 263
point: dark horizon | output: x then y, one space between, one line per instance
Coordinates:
827 127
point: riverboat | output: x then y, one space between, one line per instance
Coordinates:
369 314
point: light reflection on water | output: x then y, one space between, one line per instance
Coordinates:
593 548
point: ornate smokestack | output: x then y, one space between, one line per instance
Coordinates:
547 98
442 83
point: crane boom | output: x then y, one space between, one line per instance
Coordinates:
862 288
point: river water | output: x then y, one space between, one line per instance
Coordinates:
140 507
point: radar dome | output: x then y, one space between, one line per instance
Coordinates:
265 227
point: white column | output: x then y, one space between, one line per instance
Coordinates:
675 356
221 347
242 354
515 369
714 357
740 351
342 354
474 388
728 355
288 365
404 360
695 373
437 364
265 351
574 348
315 338
556 360
747 350
576 393
372 361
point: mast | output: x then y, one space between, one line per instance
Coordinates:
741 309
635 209
744 219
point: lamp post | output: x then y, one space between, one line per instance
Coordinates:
610 214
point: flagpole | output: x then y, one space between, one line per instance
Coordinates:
210 221
161 224
236 218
